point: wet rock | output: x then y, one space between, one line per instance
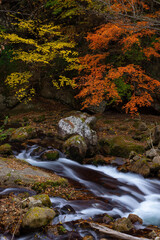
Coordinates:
37 217
75 148
151 153
5 149
50 155
141 166
134 218
21 134
118 161
67 209
123 225
77 125
38 150
152 234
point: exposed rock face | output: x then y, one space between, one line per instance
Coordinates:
75 148
77 125
37 217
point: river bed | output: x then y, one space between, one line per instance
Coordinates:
119 194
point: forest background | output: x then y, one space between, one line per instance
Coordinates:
106 50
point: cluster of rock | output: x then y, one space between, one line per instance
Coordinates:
38 213
148 164
80 140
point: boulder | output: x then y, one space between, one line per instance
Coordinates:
77 125
151 153
156 160
141 166
134 218
75 148
50 155
37 217
117 146
123 225
5 149
22 133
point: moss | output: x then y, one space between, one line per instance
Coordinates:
18 181
61 229
75 148
44 198
37 217
141 166
22 134
51 155
120 148
41 187
5 149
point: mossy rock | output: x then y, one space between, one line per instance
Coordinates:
5 149
121 148
50 155
22 134
123 225
44 198
37 217
141 166
75 148
40 187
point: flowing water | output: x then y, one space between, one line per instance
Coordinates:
125 192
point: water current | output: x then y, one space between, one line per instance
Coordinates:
125 192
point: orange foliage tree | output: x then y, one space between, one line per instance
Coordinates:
114 68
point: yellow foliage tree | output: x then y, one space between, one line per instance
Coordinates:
38 46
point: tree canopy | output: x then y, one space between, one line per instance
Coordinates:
101 47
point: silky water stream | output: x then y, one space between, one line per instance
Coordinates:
125 192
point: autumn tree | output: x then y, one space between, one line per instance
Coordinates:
38 48
114 70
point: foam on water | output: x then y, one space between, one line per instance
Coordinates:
131 192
